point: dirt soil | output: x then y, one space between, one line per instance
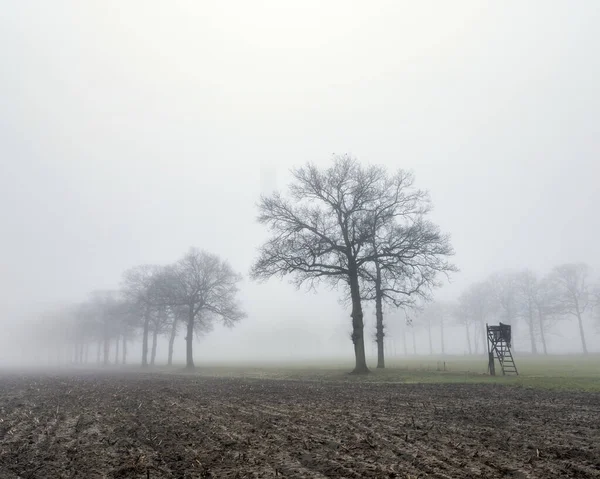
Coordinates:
174 426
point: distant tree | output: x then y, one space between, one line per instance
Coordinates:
106 308
596 304
573 292
424 317
159 324
130 325
412 326
435 314
324 231
462 316
475 307
505 289
206 287
140 288
527 287
549 307
397 327
177 316
83 331
55 332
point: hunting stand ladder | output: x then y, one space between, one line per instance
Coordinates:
498 338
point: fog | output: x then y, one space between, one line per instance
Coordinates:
131 131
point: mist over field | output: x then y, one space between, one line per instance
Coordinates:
132 132
299 239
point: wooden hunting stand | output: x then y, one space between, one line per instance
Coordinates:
498 338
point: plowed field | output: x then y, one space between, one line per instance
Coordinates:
180 426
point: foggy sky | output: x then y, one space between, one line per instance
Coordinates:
130 131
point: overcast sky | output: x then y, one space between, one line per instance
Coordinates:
130 131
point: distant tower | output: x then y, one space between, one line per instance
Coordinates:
268 179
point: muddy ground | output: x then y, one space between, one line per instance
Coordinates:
144 425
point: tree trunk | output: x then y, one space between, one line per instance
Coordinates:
124 361
532 333
117 350
581 332
98 350
404 341
379 317
358 339
154 340
430 342
87 352
414 343
542 335
172 341
106 350
145 341
468 338
189 340
442 333
484 336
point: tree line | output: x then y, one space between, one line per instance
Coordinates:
358 228
190 295
531 303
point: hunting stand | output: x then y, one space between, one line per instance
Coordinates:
499 338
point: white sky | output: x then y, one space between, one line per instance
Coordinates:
130 131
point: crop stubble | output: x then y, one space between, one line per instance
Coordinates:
152 425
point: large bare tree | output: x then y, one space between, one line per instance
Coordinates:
319 232
207 287
324 230
573 292
408 253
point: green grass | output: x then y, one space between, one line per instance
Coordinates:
554 372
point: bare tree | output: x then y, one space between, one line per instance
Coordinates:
412 326
527 298
462 315
177 316
505 287
207 287
549 307
159 324
475 307
407 258
596 304
320 233
106 308
129 327
324 231
435 314
574 292
139 286
407 251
